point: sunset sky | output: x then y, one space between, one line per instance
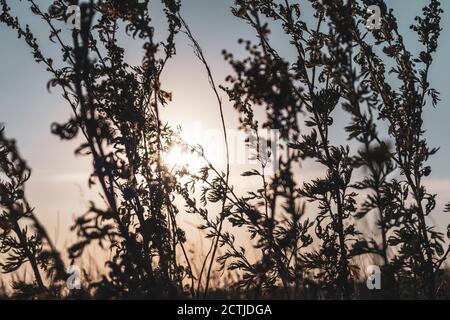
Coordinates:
58 186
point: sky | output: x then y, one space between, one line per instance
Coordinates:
58 186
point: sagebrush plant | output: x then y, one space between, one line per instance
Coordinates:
339 66
23 238
116 110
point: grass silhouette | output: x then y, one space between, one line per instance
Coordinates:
340 66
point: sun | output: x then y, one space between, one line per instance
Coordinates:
177 158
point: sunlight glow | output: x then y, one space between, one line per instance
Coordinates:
177 158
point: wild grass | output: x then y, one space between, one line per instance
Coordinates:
340 66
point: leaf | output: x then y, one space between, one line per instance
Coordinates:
250 173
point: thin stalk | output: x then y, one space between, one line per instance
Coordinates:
199 53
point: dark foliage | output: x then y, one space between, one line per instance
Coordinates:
339 66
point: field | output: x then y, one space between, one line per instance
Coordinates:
320 142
